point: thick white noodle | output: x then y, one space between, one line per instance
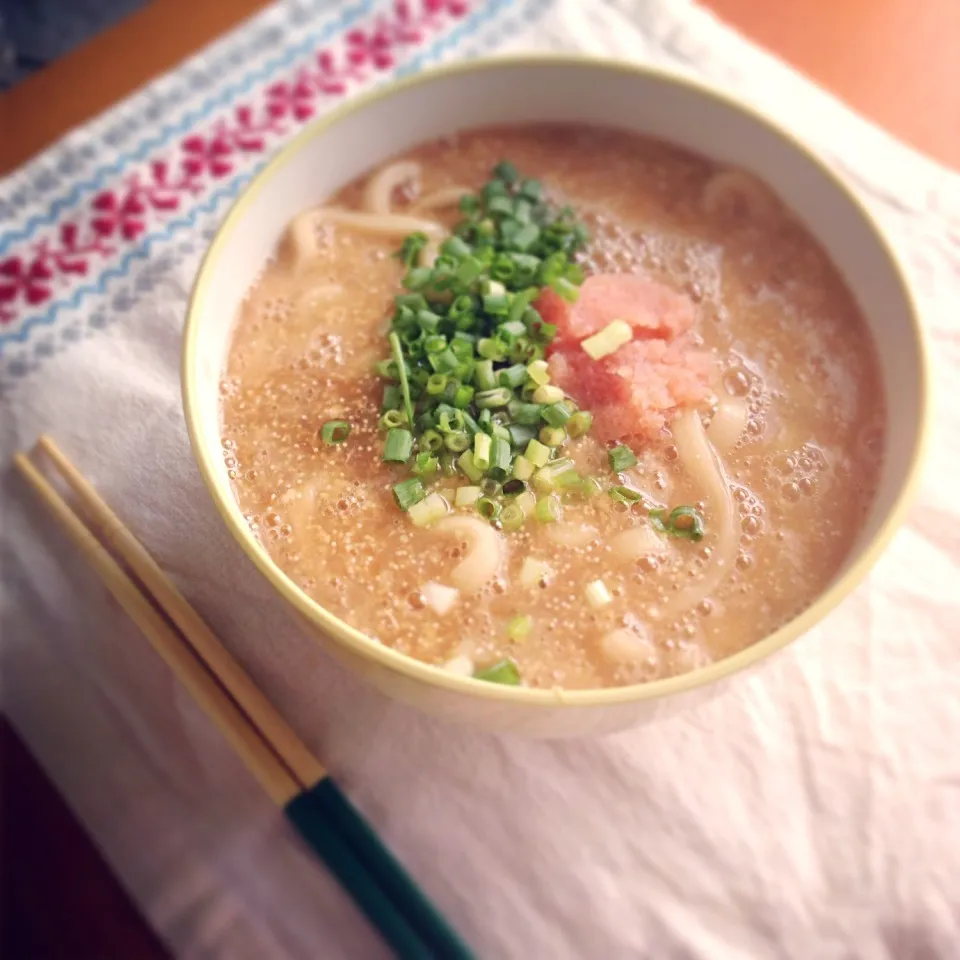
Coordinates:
728 424
485 552
704 467
571 534
636 542
378 194
632 648
302 232
736 193
444 197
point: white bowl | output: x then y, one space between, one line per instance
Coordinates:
368 130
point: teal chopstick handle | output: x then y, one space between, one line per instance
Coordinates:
402 889
323 838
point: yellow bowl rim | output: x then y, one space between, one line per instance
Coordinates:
358 642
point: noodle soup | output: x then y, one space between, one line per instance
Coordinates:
635 439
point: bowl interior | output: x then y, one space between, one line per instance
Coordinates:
336 149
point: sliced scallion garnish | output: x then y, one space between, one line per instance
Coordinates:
408 492
334 432
470 391
682 522
399 445
621 458
504 671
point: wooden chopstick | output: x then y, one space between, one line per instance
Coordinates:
292 777
259 759
264 716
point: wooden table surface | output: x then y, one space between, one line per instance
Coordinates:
893 60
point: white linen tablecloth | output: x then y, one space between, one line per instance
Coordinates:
811 811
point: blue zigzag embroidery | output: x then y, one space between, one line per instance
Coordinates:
189 119
489 11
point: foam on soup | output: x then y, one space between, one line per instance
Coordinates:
778 455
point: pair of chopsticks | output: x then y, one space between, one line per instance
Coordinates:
271 751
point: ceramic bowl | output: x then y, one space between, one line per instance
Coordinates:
368 130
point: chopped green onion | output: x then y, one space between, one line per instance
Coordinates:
527 502
481 451
399 445
466 341
589 487
504 672
469 468
553 436
463 396
548 394
556 414
580 423
621 458
537 453
412 247
683 522
391 397
436 383
393 418
538 372
597 594
488 509
513 377
408 492
455 247
457 442
522 468
426 465
490 348
568 480
417 278
610 339
429 510
498 397
548 510
521 434
532 189
519 628
402 375
445 362
525 237
467 496
527 413
435 344
489 487
334 432
569 291
548 478
623 494
512 517
450 419
483 375
431 441
499 454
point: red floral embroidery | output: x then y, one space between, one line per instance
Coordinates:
118 216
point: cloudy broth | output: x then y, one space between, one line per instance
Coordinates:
788 348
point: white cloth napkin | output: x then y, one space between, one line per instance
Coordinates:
811 811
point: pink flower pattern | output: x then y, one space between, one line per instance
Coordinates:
115 218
